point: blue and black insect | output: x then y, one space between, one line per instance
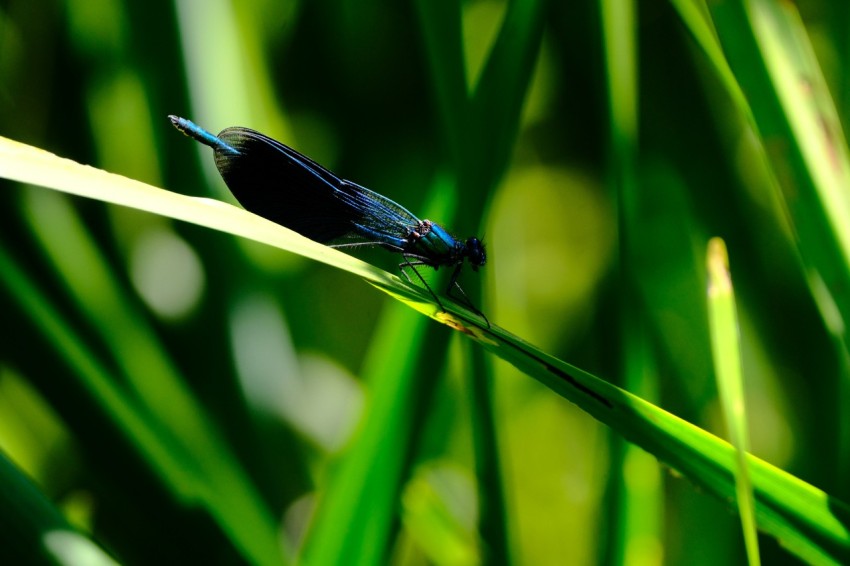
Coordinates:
276 182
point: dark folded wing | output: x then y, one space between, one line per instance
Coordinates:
282 185
278 183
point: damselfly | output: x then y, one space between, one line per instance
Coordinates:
276 182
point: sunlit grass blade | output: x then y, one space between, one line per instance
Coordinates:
788 104
26 164
697 19
723 321
762 48
805 519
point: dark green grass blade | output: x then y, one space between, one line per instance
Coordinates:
635 510
481 129
440 23
763 57
33 530
223 490
356 514
498 98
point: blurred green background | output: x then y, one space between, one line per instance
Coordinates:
266 364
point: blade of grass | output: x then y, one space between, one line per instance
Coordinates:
361 495
774 62
493 519
697 19
806 520
786 101
481 129
634 488
723 322
19 162
34 531
498 98
809 522
355 515
149 370
440 24
224 491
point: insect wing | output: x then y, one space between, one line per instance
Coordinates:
381 216
278 183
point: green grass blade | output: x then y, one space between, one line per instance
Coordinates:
224 490
788 103
634 523
697 19
26 164
723 322
498 98
361 495
356 513
805 519
34 531
493 516
440 23
763 48
481 129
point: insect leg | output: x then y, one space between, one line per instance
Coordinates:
412 265
464 299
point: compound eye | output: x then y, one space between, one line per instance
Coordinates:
475 252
